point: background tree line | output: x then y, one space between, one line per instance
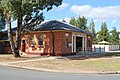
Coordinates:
80 22
103 35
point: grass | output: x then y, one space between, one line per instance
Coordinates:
109 64
104 62
112 54
10 58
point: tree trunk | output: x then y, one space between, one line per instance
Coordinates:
10 37
18 36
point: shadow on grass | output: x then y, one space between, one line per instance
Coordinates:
10 56
88 56
74 57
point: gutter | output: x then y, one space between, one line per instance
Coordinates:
53 54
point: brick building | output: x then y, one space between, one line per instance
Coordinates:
56 38
4 43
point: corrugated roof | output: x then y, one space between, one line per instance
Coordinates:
57 25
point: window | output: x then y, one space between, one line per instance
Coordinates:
66 43
32 40
40 38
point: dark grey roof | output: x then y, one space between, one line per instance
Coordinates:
57 25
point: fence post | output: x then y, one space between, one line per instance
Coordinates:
94 48
104 48
100 49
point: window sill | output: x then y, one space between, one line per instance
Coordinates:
32 46
41 46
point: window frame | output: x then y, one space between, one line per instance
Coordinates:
40 40
66 43
32 43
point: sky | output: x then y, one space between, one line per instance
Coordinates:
96 10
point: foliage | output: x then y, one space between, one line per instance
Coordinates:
36 16
80 22
114 36
92 30
31 10
2 21
104 34
73 21
27 13
92 27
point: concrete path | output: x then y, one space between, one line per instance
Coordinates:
46 58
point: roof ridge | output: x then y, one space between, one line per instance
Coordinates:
58 25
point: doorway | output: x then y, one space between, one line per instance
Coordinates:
78 44
23 45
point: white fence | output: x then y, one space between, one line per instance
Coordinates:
105 48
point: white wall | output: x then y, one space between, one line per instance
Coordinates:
105 48
113 47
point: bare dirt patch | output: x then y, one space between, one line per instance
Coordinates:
102 64
10 58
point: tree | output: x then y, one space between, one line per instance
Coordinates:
104 34
114 36
28 12
92 30
6 11
2 21
92 27
73 21
81 22
119 37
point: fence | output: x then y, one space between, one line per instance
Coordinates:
105 48
98 49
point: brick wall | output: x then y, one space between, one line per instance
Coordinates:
59 43
65 49
89 42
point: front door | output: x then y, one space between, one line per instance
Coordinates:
78 44
23 45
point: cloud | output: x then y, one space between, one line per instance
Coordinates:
63 6
96 12
114 21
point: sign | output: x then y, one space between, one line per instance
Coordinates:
81 35
70 44
66 34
